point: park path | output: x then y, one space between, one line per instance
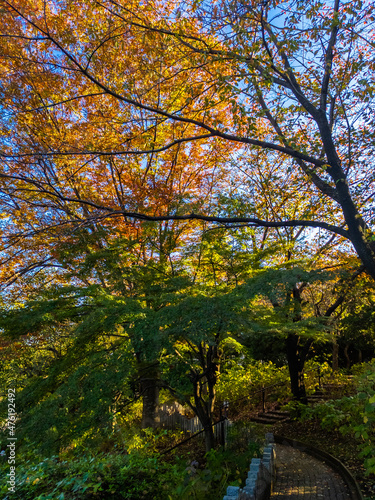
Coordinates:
300 476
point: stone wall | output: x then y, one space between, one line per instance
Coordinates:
260 478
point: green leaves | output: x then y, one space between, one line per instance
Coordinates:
101 474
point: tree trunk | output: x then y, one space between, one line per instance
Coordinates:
205 392
346 354
358 230
295 365
206 421
335 356
209 438
150 391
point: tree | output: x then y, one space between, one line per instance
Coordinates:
356 324
308 291
199 328
115 341
291 79
71 395
140 270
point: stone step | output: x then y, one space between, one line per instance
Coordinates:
317 397
263 420
270 417
276 415
279 413
332 387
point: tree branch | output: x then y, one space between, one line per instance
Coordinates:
110 153
329 59
213 131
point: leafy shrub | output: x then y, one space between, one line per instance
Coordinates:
314 367
296 409
115 476
331 414
364 426
242 381
133 476
222 469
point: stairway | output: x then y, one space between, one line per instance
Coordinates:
316 398
321 396
274 416
270 417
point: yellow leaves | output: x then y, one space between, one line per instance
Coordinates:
87 151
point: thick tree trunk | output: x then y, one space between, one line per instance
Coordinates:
295 365
203 410
209 438
346 354
150 391
205 418
358 230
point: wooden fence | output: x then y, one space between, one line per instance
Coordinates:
172 417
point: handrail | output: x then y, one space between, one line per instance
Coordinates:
263 389
254 392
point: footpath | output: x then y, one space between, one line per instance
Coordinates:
299 476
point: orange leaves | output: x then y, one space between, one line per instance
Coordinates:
66 131
116 108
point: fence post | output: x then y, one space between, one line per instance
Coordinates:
263 400
222 432
223 423
225 407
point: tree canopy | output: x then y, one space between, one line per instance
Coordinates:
117 112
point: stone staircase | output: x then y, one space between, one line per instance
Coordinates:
329 391
317 397
274 416
270 417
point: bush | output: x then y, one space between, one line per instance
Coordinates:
114 476
242 381
364 425
132 476
222 469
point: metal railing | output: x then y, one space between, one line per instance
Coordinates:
220 433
